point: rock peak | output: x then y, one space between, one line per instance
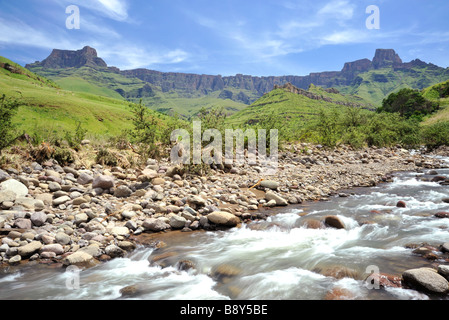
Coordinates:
60 59
386 58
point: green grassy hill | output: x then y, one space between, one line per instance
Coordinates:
440 93
376 85
105 82
45 107
295 110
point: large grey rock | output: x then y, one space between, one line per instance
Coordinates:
273 185
29 249
15 186
426 279
7 195
122 192
38 218
79 258
84 178
119 231
279 200
177 222
155 225
61 200
3 176
63 238
223 218
114 251
103 182
444 271
22 223
55 247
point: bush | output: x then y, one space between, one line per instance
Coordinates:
436 135
408 103
8 108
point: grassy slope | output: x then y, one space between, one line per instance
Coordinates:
432 93
53 109
376 85
295 109
105 83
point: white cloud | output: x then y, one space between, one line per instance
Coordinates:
337 9
115 9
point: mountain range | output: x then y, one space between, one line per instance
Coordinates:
184 93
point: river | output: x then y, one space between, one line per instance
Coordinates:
277 259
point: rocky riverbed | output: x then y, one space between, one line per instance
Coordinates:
75 215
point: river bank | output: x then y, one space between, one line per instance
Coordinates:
63 216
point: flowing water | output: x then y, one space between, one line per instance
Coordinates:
271 260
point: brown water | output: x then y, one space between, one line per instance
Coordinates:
277 259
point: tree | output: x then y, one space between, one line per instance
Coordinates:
408 103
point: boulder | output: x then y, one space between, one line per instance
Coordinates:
401 204
14 186
334 222
122 192
103 182
442 215
29 249
426 279
22 223
223 218
273 185
155 225
7 195
38 218
279 200
79 258
84 178
61 200
177 222
55 248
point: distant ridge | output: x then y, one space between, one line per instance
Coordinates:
372 79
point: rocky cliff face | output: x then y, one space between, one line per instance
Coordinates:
60 59
190 85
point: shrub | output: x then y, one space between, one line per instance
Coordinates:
408 103
8 108
436 135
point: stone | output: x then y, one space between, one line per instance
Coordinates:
445 247
61 200
39 205
14 186
63 238
196 200
15 260
126 245
7 196
22 223
334 222
114 251
55 248
155 225
93 249
84 178
158 181
79 201
79 258
119 231
38 218
3 176
81 218
122 192
103 182
279 200
444 271
223 218
29 249
54 186
177 222
273 185
442 215
401 204
426 279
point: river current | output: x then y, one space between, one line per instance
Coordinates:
277 259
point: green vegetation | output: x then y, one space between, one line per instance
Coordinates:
8 108
409 103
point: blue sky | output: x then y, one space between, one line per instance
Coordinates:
256 37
